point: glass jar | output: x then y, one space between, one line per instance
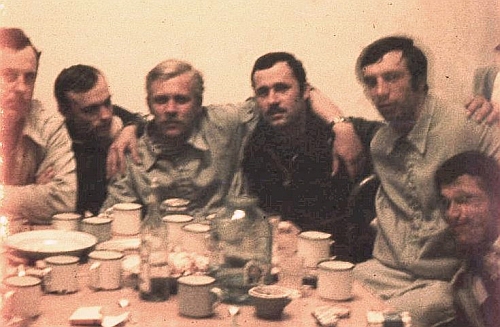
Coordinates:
241 237
154 281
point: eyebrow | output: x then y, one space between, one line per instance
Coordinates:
107 101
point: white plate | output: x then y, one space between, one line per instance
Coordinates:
121 244
44 243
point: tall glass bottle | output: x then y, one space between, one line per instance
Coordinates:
243 239
154 270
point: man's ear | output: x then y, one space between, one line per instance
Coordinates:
307 91
63 111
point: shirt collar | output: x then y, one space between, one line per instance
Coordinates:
30 128
196 140
418 134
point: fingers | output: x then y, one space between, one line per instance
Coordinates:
335 165
480 109
494 116
121 165
111 162
45 176
125 141
133 151
468 105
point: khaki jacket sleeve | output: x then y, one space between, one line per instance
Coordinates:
38 202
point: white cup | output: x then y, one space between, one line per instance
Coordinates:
196 237
105 270
174 227
66 221
126 218
197 297
62 275
335 280
175 206
22 297
100 227
313 247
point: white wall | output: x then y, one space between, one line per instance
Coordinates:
126 38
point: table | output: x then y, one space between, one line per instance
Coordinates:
56 309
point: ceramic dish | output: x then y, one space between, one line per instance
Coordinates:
44 243
121 244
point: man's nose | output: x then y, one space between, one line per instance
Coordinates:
273 97
453 212
105 112
170 107
21 85
382 88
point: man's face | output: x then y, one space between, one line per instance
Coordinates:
278 96
174 105
388 84
91 112
468 210
18 70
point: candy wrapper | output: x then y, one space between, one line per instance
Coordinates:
388 319
328 316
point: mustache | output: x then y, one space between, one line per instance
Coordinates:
275 109
104 125
170 121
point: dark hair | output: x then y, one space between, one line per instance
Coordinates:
78 79
14 38
471 163
270 59
416 60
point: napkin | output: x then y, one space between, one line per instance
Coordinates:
111 321
328 316
89 316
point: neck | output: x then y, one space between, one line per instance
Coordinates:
293 133
403 127
11 132
166 143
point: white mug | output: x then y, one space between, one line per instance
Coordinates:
66 221
126 218
313 246
23 296
335 280
196 237
197 297
105 270
100 227
174 227
175 206
62 275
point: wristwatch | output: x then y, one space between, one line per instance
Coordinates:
339 119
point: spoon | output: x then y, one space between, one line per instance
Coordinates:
233 311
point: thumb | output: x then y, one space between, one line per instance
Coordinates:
335 164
